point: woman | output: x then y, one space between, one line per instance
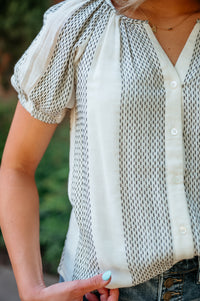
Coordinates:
129 73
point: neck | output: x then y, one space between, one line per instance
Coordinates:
170 8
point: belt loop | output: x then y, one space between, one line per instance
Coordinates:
160 286
198 274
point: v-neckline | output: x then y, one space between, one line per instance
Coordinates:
184 59
183 62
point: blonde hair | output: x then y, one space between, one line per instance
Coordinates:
125 4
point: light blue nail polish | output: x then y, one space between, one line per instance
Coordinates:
106 276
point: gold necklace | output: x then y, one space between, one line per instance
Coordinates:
155 27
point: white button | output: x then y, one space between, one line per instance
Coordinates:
177 179
183 229
173 84
174 132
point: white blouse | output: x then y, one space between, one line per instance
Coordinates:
134 180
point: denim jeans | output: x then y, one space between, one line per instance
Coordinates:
180 283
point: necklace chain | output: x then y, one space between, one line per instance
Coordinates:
155 27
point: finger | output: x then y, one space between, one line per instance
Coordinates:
114 295
82 287
104 297
103 291
91 297
104 294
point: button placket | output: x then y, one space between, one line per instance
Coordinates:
177 202
173 287
175 171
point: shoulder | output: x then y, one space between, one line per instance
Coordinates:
74 19
49 60
72 9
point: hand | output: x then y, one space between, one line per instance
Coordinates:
75 290
104 295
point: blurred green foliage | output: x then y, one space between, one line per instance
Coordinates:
20 21
6 113
51 179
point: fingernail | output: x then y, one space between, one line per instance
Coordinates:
106 276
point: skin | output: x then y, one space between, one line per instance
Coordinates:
166 14
19 201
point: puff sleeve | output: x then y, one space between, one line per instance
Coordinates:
44 76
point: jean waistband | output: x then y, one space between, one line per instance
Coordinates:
185 266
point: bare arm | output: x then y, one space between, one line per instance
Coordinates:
19 202
19 212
